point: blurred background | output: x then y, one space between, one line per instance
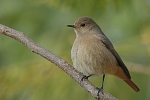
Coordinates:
27 76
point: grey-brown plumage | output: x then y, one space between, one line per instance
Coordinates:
93 53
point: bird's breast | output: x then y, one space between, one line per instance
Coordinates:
91 57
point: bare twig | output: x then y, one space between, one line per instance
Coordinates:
35 48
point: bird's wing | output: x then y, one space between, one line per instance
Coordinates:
110 47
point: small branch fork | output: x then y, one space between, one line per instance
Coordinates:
65 66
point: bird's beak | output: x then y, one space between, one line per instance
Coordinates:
71 26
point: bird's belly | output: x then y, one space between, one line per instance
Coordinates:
87 70
93 61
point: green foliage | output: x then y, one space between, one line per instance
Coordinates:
26 76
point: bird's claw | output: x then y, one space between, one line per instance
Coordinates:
85 77
100 90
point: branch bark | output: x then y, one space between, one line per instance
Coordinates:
66 67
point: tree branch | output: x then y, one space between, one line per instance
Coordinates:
35 48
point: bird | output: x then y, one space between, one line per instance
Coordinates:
93 54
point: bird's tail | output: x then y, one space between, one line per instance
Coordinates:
132 85
120 74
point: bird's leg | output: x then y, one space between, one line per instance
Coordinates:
101 89
103 81
85 77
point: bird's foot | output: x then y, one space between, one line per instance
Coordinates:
100 90
85 77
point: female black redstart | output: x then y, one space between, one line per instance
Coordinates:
93 53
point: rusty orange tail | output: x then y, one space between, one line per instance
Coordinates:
132 85
120 74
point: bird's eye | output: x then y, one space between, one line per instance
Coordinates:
82 25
